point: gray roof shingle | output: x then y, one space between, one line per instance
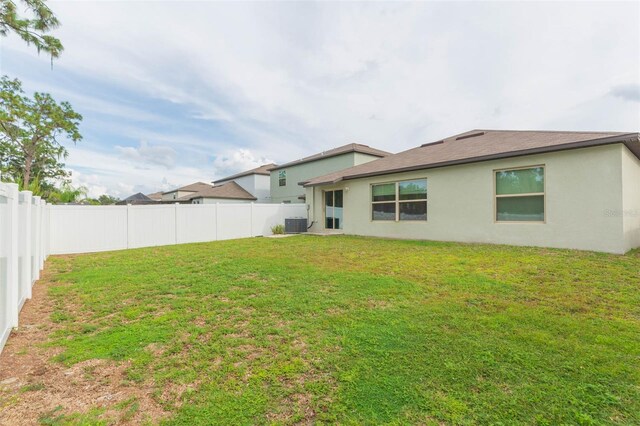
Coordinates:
229 190
479 145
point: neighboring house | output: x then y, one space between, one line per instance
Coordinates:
255 181
138 198
229 192
156 196
286 179
578 190
184 191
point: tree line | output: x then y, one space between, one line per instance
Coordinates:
33 128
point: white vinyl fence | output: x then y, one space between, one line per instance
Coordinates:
24 246
85 229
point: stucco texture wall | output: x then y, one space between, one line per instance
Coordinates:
299 173
582 187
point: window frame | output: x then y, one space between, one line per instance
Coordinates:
282 177
528 194
396 202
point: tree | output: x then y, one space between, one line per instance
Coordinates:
103 200
31 29
67 194
106 200
29 134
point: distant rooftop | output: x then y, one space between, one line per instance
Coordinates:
229 190
156 196
345 149
262 170
194 187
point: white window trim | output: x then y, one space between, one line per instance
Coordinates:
397 201
529 194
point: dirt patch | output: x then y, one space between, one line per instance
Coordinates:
33 386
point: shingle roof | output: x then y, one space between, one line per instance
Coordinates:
194 187
262 170
345 149
156 196
229 190
479 145
138 197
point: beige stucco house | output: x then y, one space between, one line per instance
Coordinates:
578 190
286 179
204 193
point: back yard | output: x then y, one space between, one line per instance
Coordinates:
328 329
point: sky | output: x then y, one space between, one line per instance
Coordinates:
174 92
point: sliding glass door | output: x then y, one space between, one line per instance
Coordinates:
333 210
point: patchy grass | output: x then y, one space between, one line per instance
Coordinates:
357 330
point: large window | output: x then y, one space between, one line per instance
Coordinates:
282 178
520 195
405 200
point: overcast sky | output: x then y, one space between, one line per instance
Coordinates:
174 92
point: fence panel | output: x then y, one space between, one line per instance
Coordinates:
151 225
24 247
85 229
196 223
233 221
265 216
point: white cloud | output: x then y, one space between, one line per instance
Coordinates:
628 92
149 154
290 79
120 177
235 161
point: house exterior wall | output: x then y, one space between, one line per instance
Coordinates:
175 195
301 172
581 187
630 199
262 185
256 185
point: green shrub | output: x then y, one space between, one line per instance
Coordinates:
278 229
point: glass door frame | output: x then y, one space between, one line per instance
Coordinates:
330 208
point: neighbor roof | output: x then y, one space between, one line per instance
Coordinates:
156 196
194 187
229 190
345 149
479 145
262 170
138 197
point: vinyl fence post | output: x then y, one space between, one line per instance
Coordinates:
251 234
128 224
175 218
12 257
26 281
43 203
217 221
35 233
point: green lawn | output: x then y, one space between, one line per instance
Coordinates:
360 331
